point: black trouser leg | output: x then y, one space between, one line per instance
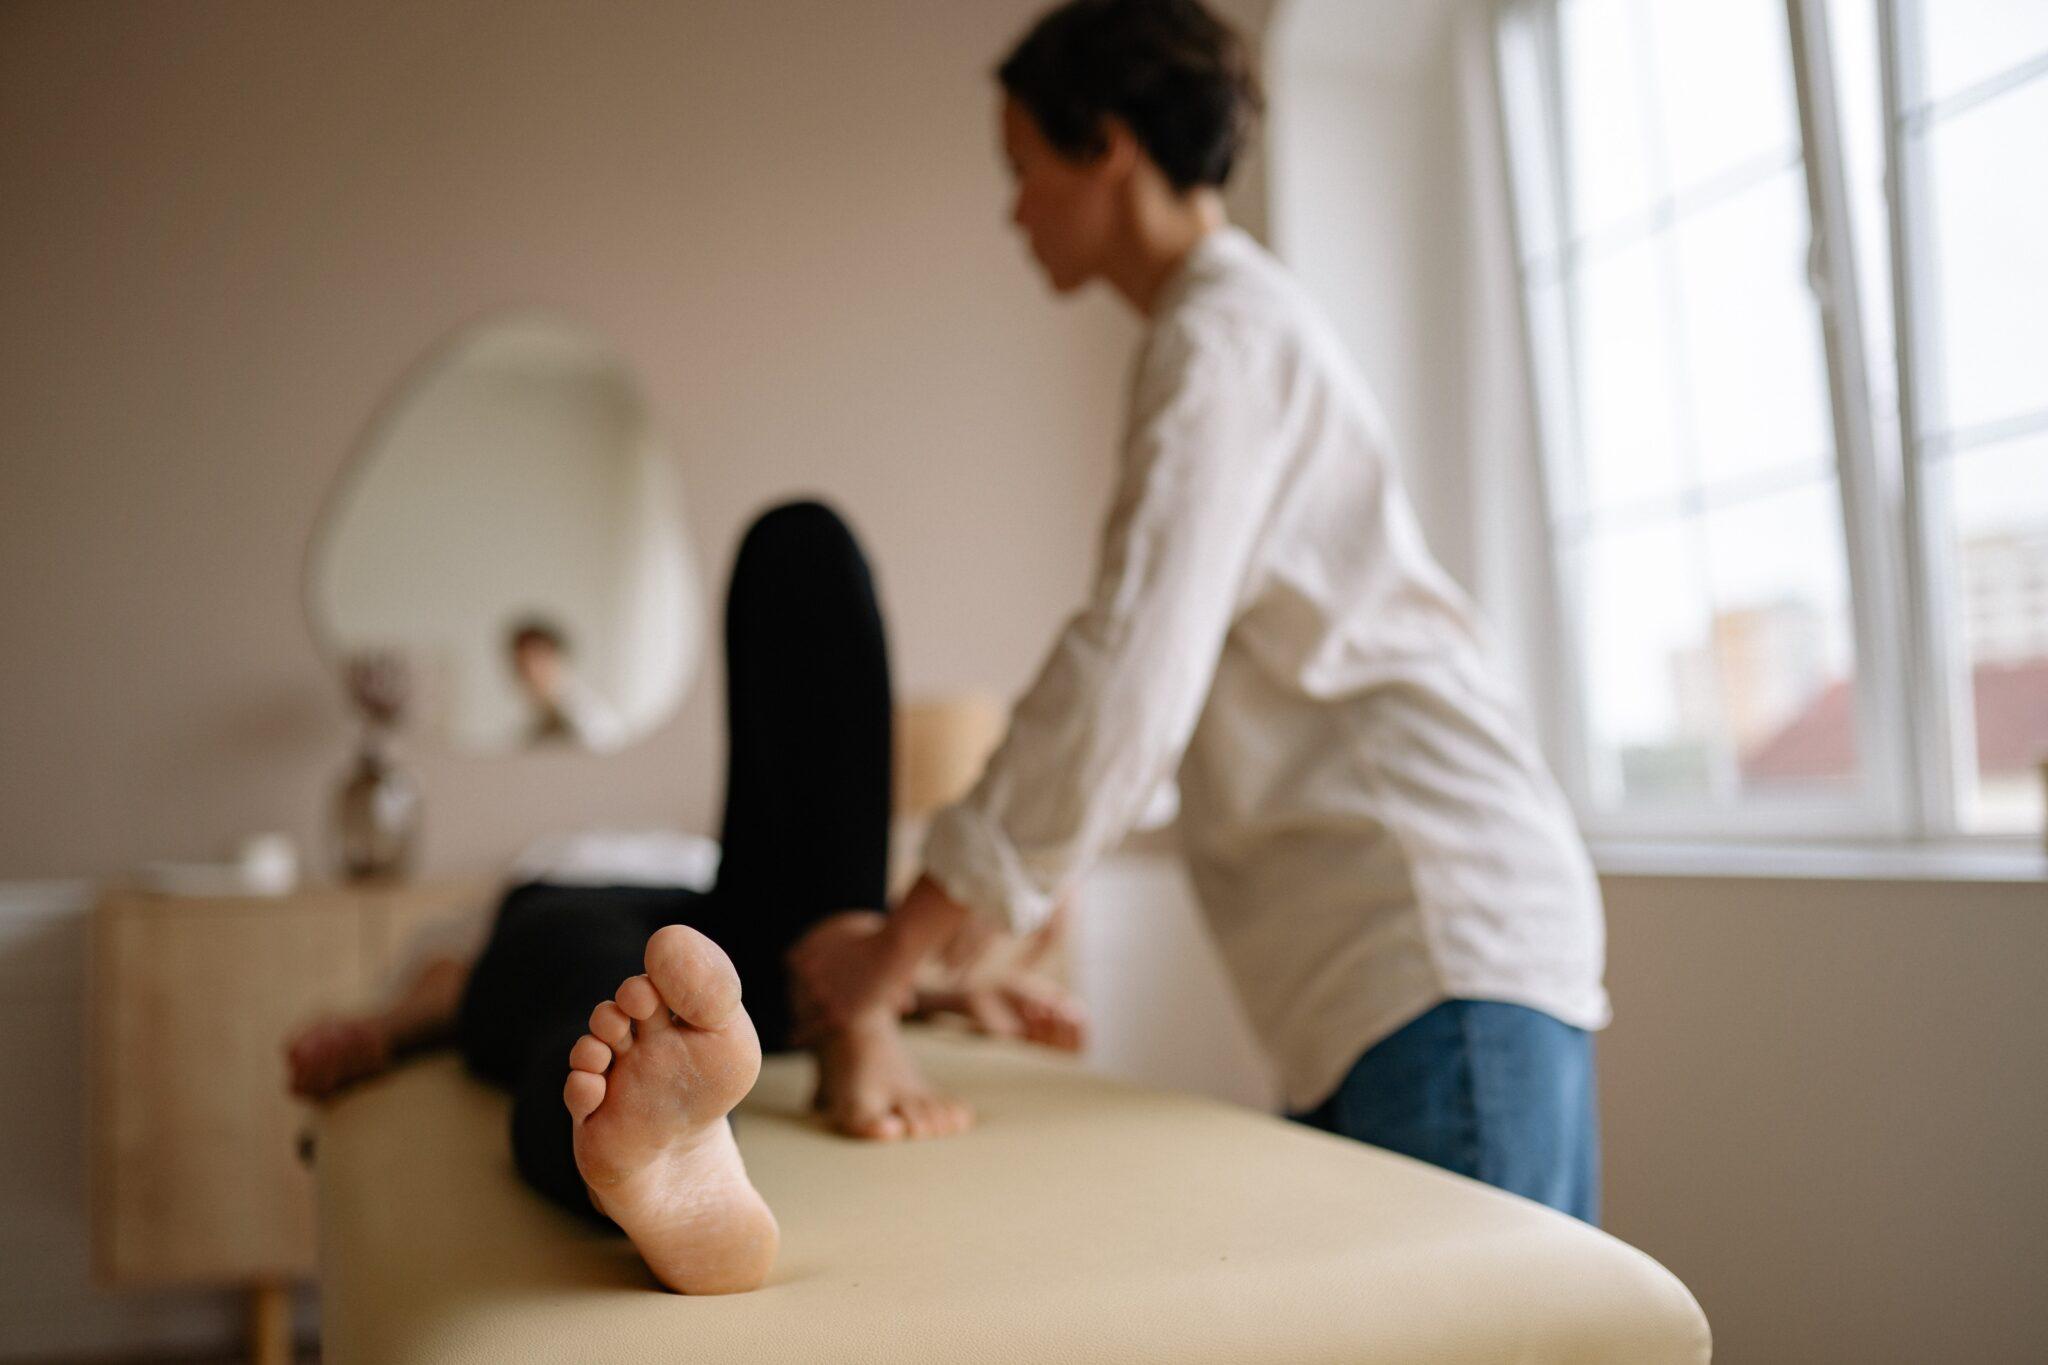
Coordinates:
807 798
555 952
806 834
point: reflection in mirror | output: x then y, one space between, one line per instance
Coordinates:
513 529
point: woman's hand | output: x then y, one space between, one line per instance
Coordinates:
849 965
1022 1006
840 971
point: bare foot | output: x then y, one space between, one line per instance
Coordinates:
649 1088
868 1087
337 1051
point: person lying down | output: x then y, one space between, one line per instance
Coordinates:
628 1021
1004 995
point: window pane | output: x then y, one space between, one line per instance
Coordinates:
1627 408
1970 40
1644 614
1724 85
1608 163
1999 499
1552 376
1753 352
1988 172
1696 511
1783 653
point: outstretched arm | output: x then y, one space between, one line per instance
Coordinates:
1116 701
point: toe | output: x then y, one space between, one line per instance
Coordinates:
945 1118
916 1123
931 1118
582 1093
638 998
950 1117
612 1026
938 1118
590 1055
874 1125
694 976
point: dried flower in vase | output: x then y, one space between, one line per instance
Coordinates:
379 684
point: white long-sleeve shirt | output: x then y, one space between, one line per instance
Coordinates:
1369 826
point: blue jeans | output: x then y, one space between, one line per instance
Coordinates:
1498 1092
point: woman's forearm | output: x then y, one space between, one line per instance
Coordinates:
924 923
839 974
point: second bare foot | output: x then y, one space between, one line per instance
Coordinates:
868 1086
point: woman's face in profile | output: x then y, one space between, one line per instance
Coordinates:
1066 208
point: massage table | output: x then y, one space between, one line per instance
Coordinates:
1083 1219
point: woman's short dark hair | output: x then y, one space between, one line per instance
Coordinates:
1178 75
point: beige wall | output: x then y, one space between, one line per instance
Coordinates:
1825 1104
227 229
1361 194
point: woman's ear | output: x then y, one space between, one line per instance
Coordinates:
1121 150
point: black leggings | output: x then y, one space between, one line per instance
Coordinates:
806 834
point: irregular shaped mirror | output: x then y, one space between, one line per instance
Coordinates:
512 533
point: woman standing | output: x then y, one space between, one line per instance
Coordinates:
1395 882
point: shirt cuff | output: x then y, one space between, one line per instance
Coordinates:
971 857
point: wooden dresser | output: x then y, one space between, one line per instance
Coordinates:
196 1172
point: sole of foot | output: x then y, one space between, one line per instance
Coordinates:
649 1088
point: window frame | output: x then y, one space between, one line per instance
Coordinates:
1938 747
1888 741
1940 671
1915 749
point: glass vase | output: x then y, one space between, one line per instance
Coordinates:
376 817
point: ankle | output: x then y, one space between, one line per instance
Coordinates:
880 1024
